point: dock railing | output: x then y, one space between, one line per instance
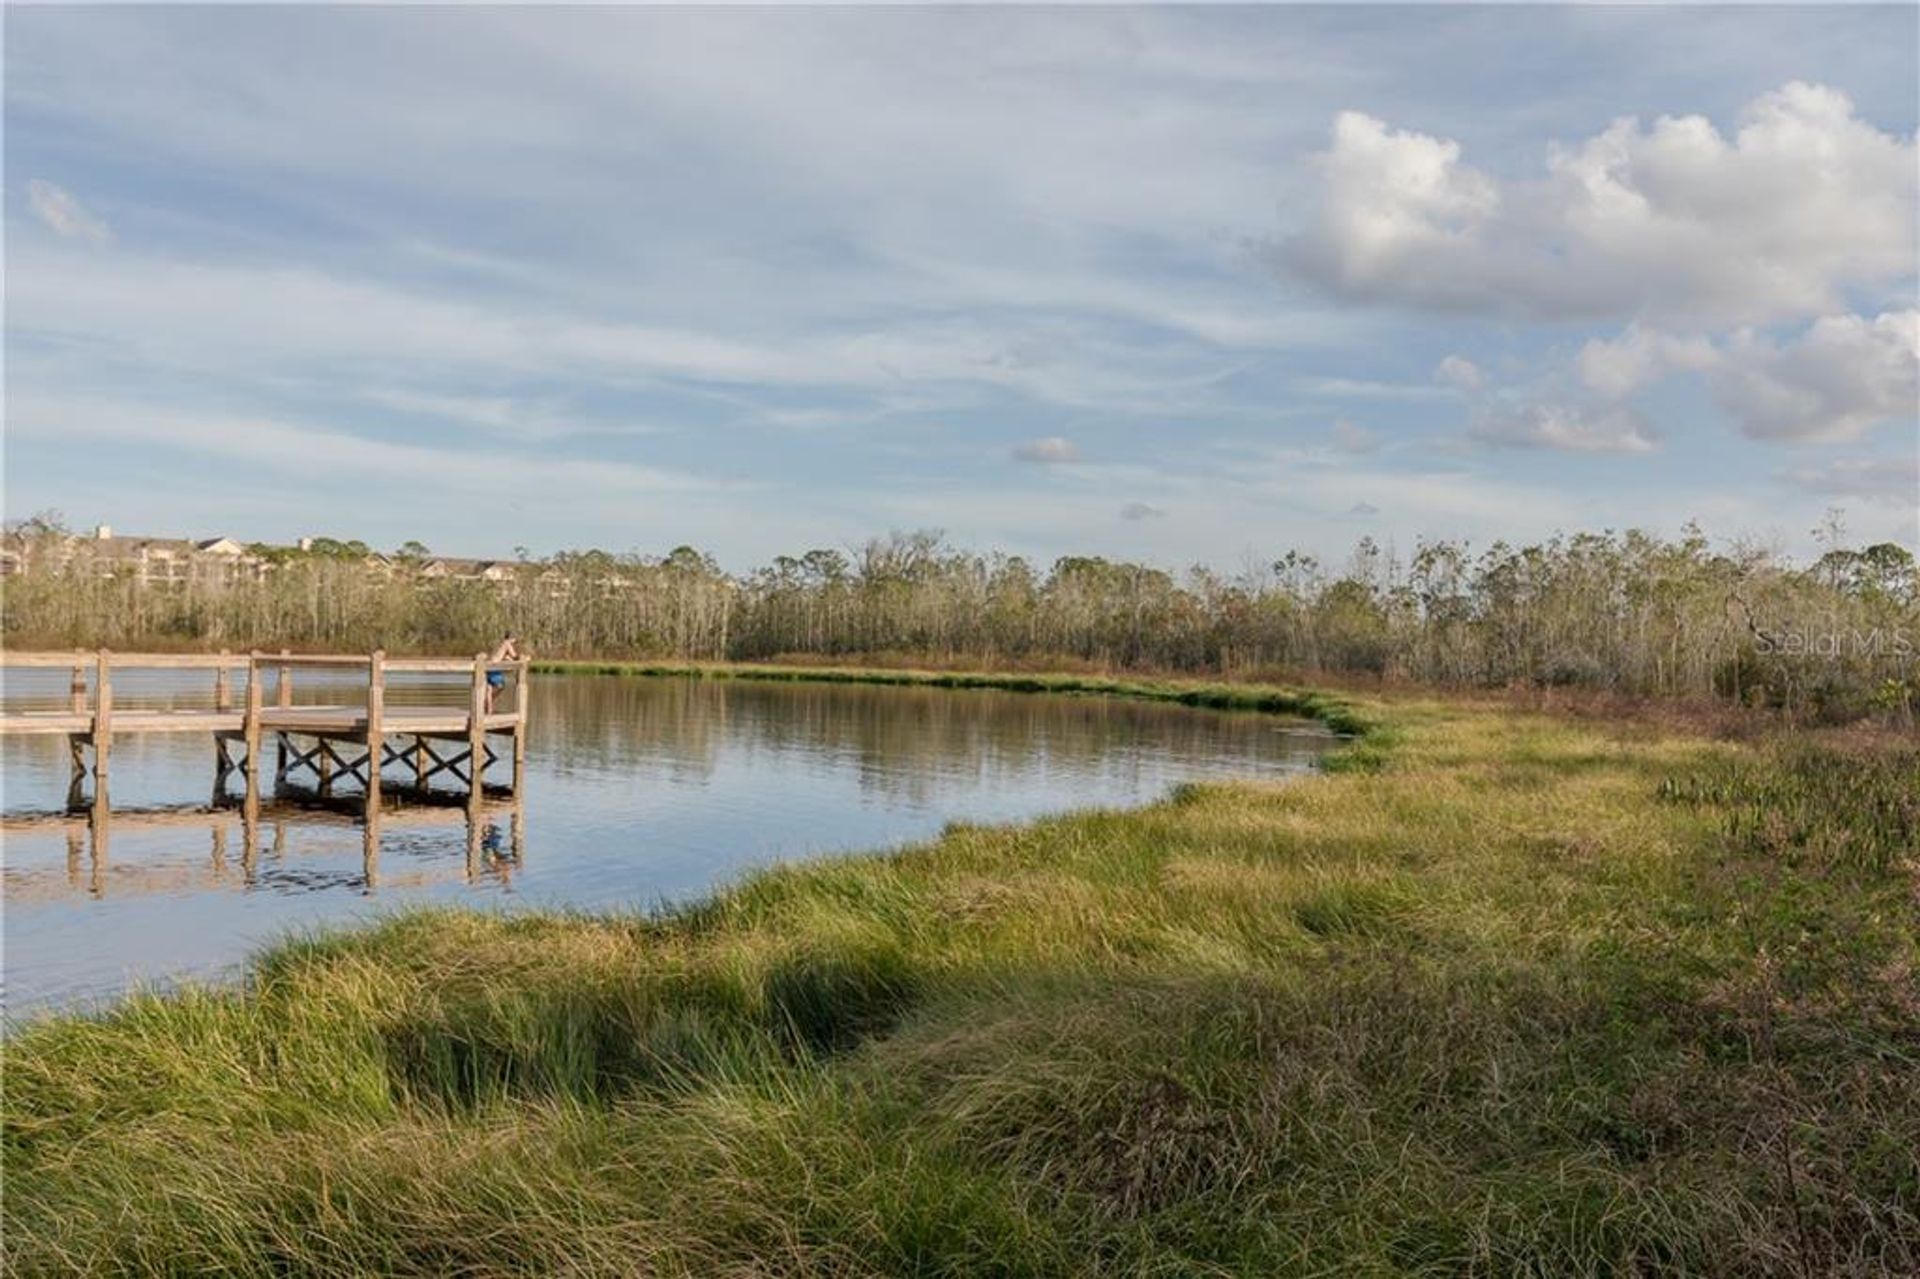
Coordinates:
89 717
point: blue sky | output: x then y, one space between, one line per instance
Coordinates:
1181 284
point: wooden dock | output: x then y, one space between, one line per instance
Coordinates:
317 748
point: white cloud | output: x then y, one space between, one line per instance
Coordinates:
1844 375
1639 357
1565 427
1672 222
63 213
1142 511
1459 373
1053 450
1391 200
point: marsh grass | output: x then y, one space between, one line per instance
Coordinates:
1512 996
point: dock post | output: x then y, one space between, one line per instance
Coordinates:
477 731
282 698
222 704
76 742
102 723
250 728
520 698
376 731
419 763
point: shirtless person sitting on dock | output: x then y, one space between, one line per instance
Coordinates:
507 651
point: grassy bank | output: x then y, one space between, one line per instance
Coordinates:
1522 995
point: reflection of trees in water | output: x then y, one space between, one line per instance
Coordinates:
902 742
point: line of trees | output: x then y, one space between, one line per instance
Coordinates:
1628 612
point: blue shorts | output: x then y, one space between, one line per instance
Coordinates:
497 678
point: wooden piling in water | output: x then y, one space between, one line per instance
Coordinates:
250 731
102 721
376 731
520 699
477 730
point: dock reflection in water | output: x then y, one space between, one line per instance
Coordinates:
639 791
492 836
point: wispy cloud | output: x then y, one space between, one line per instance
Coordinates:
63 213
1350 437
1343 388
296 449
1460 373
1567 428
1893 481
1051 450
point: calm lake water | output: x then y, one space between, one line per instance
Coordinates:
639 791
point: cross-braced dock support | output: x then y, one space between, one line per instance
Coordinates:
330 760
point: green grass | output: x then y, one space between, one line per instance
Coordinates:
1518 996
